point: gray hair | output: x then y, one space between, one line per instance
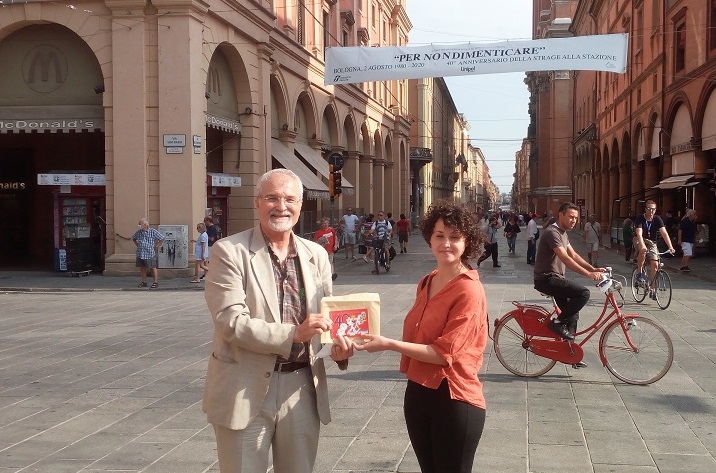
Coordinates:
143 221
286 172
690 212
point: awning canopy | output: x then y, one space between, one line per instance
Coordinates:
316 161
315 188
675 181
51 118
223 123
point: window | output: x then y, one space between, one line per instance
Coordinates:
712 25
655 16
385 31
680 46
326 29
372 15
639 29
346 37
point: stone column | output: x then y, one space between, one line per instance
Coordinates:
624 188
350 172
365 199
127 136
180 193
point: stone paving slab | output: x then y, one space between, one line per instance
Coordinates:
99 379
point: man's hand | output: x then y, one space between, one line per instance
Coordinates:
342 349
672 250
596 275
313 325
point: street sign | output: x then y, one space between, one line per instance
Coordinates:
336 160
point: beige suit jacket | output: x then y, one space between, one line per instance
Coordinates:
248 332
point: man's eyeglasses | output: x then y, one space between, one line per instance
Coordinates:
651 209
274 200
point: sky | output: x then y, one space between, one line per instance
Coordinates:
495 105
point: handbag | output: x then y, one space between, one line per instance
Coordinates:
537 235
362 249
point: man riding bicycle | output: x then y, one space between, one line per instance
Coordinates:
382 230
554 255
647 227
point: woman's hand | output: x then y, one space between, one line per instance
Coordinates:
342 349
373 343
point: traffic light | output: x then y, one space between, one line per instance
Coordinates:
335 186
330 180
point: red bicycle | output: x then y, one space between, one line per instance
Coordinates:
635 349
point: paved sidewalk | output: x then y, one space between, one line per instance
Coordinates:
96 376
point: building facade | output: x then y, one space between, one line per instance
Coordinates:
115 110
649 133
443 163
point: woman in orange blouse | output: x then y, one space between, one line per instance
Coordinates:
444 336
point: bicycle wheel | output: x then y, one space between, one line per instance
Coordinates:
638 290
663 289
511 348
651 357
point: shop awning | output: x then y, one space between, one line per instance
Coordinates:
51 118
315 160
315 188
675 181
216 179
223 123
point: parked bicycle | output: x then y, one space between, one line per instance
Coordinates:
635 349
642 286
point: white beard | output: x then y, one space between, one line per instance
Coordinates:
284 225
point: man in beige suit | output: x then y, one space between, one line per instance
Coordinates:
263 388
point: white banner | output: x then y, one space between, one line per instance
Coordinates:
348 65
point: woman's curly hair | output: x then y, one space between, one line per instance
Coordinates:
457 217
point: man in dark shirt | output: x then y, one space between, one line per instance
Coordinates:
211 231
686 237
646 229
554 255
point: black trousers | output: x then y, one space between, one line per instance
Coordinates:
444 432
490 250
531 250
569 296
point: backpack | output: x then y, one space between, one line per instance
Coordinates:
381 230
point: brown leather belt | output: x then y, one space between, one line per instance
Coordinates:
288 366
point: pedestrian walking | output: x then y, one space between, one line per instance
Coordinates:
592 235
264 390
444 338
403 231
326 237
511 231
685 238
367 237
491 242
201 253
532 236
351 225
147 240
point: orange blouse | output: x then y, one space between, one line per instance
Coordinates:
454 323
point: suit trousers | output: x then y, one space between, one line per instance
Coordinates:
287 422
